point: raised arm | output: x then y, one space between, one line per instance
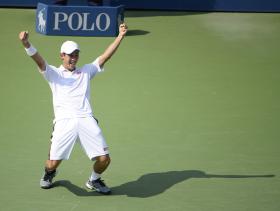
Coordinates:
113 46
31 51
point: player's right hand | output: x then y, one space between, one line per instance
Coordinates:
23 36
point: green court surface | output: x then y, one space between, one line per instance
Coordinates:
189 106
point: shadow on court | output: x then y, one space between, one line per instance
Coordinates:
136 32
153 184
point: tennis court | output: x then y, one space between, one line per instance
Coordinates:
189 106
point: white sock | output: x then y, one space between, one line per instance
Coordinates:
94 176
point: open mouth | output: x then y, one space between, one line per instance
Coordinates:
72 63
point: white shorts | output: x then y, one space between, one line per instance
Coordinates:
66 133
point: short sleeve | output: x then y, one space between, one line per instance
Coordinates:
49 73
95 68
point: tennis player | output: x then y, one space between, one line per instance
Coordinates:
74 121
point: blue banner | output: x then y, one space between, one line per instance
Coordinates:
78 20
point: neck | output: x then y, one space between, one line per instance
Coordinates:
70 70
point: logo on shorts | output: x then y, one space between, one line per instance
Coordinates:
42 20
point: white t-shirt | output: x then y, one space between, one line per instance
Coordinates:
71 90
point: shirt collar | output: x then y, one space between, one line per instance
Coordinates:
63 69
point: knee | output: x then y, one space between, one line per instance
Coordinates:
104 159
52 164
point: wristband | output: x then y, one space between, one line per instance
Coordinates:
31 50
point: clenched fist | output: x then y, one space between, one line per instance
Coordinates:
23 36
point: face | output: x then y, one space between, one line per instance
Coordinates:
69 61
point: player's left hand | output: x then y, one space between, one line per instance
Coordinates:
123 29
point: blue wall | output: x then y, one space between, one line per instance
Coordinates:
205 5
189 5
23 3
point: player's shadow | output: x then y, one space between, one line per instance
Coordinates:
136 32
154 183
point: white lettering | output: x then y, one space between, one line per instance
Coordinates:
85 23
80 21
107 20
57 19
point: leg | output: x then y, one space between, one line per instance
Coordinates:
95 182
52 165
62 143
94 145
101 164
50 173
